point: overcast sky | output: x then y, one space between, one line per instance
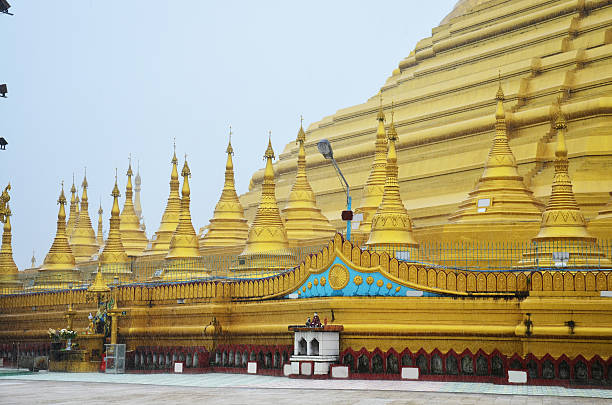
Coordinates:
92 81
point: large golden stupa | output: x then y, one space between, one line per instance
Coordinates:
481 176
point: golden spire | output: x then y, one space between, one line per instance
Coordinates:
500 194
9 281
83 239
267 235
184 243
74 209
134 239
228 227
58 268
137 188
303 219
161 241
391 225
114 254
374 188
100 237
563 227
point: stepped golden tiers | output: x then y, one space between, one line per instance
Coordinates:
267 234
170 218
114 261
391 225
59 267
442 92
303 219
133 237
83 239
228 227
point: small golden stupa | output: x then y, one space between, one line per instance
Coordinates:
114 261
160 243
183 259
267 246
374 188
228 227
9 276
58 269
74 209
134 239
563 240
303 219
391 225
83 240
500 194
100 235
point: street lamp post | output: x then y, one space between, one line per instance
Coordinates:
326 150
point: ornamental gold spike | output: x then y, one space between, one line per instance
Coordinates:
303 219
267 234
170 218
500 195
133 237
228 227
58 269
374 188
83 239
391 225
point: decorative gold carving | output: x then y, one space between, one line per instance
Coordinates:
338 277
358 280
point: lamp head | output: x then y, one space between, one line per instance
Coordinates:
325 148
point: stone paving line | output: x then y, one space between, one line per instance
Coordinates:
220 380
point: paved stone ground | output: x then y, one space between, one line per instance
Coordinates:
64 388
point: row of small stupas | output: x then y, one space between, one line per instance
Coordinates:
385 224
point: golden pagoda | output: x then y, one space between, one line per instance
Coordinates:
563 240
83 239
114 261
137 189
303 219
184 256
74 209
134 239
58 269
100 236
160 243
374 188
500 194
228 227
9 281
391 225
601 225
267 246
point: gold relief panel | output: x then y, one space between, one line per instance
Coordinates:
338 277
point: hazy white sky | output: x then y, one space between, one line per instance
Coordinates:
91 81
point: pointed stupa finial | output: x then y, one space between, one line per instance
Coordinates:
228 227
301 137
33 259
133 238
83 238
303 219
114 251
58 268
373 190
170 217
381 114
391 225
8 269
500 92
269 151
